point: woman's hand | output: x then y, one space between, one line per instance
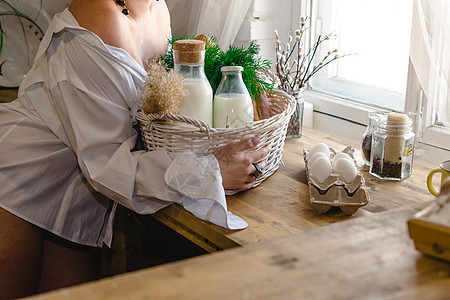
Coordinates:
235 161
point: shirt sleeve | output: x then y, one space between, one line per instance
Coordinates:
95 99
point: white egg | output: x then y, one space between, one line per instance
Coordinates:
316 156
320 147
340 155
346 169
321 168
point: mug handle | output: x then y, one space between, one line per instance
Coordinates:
430 186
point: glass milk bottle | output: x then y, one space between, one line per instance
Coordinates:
233 106
188 57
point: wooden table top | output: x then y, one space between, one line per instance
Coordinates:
280 205
289 250
363 258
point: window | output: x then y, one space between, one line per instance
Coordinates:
386 71
378 40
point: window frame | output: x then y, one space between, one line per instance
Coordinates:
348 119
416 103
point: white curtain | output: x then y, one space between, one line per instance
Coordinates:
219 18
54 6
430 55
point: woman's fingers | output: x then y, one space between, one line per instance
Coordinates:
256 169
256 156
244 144
236 163
261 165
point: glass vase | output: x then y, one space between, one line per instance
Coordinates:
295 125
366 142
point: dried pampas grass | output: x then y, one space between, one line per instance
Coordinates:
163 90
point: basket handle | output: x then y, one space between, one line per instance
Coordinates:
203 126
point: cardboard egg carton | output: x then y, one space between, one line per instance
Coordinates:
334 191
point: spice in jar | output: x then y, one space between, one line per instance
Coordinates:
366 144
392 148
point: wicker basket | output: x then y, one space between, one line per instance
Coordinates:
187 134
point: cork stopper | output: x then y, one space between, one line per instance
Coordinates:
397 125
394 117
188 51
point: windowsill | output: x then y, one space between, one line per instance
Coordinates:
348 120
339 117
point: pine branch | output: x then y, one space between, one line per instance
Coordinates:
248 58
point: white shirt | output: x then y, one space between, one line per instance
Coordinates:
80 98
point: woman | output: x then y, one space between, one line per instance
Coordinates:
66 146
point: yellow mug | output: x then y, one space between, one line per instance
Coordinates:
444 169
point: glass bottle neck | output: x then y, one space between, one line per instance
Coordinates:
232 82
232 75
191 70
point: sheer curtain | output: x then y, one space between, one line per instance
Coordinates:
430 56
219 18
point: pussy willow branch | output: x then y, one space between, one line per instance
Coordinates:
292 51
314 47
302 67
323 65
310 61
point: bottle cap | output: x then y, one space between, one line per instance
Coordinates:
231 68
188 51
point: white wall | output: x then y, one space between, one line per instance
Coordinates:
264 17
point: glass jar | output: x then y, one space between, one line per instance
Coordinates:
188 56
295 125
366 143
233 106
392 150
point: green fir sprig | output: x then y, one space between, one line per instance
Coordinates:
248 58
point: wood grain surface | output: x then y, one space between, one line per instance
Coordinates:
363 258
289 251
280 205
